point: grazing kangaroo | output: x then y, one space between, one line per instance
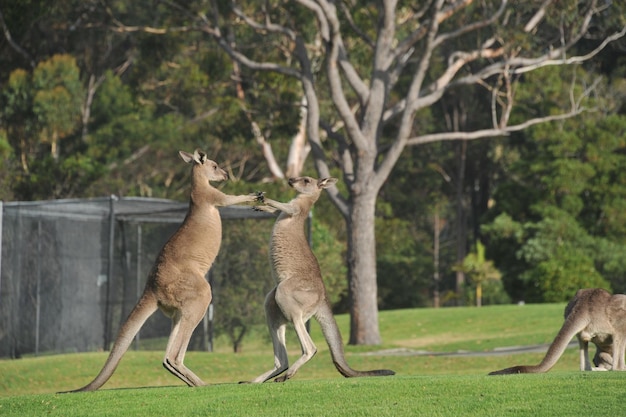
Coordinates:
300 293
593 315
177 283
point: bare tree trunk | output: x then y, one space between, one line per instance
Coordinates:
362 271
300 147
460 219
260 138
86 109
437 231
54 146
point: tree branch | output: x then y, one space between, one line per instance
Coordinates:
406 124
346 11
525 65
345 157
14 45
418 34
299 148
486 133
472 27
537 17
334 78
268 27
93 86
352 76
215 33
268 154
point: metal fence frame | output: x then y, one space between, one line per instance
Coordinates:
129 210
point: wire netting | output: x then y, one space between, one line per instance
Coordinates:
72 270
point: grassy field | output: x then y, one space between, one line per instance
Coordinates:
415 345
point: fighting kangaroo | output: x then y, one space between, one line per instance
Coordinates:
177 283
300 293
593 315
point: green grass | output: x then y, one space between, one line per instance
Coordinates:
429 385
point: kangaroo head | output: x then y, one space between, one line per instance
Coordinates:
204 166
308 185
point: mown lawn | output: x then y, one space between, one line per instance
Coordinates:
427 382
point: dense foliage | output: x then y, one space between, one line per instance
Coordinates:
88 110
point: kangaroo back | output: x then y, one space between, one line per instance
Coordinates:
146 306
332 335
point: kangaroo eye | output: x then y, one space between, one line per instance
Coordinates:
306 181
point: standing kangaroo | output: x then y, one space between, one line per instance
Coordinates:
593 315
177 283
300 293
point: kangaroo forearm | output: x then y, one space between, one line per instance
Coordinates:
231 200
290 209
267 209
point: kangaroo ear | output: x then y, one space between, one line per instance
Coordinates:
187 157
326 182
199 156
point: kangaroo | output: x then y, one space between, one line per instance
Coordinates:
593 315
177 283
300 293
603 359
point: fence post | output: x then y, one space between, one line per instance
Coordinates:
38 289
138 275
107 305
1 220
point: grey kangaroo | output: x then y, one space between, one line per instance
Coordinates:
300 293
177 283
593 315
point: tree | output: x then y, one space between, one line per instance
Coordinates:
57 99
558 223
383 64
479 269
368 72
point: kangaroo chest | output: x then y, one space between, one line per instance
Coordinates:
290 253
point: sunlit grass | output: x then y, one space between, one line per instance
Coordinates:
427 382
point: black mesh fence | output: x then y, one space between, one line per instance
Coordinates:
71 270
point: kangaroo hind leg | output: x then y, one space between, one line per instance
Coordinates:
308 349
184 323
277 324
619 347
583 350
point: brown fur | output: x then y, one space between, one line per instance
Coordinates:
177 283
300 293
593 315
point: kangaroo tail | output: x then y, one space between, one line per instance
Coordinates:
335 343
145 307
570 328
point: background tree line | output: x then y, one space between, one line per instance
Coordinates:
97 96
